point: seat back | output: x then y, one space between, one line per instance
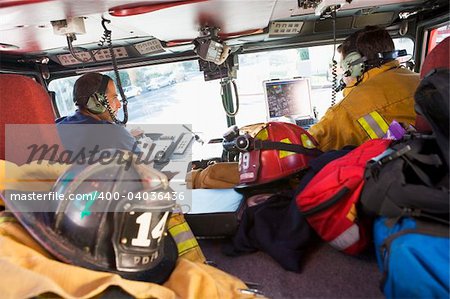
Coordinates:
438 58
24 101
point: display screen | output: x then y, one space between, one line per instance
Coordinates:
288 98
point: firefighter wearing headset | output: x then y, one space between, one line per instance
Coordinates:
378 91
98 103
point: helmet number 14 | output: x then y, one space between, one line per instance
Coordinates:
144 221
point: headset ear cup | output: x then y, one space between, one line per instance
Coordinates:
351 68
94 104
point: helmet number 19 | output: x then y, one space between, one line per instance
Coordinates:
144 222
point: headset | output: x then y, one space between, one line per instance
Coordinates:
353 65
98 102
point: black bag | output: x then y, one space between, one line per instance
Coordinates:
412 177
276 226
409 179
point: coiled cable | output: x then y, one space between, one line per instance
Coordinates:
106 38
334 62
334 87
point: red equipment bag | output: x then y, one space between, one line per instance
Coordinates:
329 200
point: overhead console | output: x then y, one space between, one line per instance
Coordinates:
72 27
149 47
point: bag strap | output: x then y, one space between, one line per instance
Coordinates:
413 156
410 154
428 159
432 160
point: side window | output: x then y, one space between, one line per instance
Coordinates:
432 36
437 35
171 93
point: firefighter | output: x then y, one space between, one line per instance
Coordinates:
378 91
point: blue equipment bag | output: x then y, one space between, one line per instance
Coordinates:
414 257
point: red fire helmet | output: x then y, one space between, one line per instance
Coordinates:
268 163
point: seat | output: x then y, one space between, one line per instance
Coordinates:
438 58
24 101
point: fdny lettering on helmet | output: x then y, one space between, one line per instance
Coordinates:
144 260
133 261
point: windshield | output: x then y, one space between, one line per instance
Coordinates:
313 63
176 93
